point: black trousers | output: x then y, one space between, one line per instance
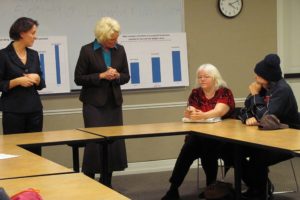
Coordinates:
197 147
14 123
255 165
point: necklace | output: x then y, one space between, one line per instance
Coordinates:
20 51
22 57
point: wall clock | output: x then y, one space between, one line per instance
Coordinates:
230 8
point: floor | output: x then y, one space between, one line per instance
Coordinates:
152 186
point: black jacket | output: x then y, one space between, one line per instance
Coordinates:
90 63
278 100
19 99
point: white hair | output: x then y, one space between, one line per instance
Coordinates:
105 28
214 73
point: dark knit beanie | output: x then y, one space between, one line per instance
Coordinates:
269 68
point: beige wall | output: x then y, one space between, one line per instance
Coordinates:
233 45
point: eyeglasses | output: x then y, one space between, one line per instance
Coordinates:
204 77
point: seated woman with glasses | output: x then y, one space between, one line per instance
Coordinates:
210 99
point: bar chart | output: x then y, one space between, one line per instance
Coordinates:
156 60
135 72
156 74
57 64
53 62
53 54
42 63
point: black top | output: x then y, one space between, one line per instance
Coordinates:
90 63
278 100
19 99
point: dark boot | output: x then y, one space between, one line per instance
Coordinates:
172 194
201 195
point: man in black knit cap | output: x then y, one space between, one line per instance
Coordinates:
270 94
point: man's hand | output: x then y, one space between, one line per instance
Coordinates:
251 121
254 88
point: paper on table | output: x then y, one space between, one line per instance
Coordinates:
209 120
6 156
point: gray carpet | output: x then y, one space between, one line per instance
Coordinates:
152 186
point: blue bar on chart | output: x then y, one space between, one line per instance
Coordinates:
176 66
135 72
156 75
42 63
57 63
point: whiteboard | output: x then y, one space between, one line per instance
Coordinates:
76 19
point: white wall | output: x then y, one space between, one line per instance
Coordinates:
288 33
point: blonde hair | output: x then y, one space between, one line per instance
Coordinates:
105 28
214 73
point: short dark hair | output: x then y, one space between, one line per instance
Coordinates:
23 24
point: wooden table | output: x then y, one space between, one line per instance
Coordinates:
140 130
234 130
26 164
229 130
46 138
238 134
112 133
74 138
53 180
65 186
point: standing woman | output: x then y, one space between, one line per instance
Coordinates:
20 78
101 69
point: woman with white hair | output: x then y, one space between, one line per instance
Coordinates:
210 99
101 69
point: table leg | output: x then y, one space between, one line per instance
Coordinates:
237 172
75 150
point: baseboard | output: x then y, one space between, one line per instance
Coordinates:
150 166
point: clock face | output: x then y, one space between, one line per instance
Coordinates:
230 8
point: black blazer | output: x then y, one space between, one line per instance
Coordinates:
19 99
90 63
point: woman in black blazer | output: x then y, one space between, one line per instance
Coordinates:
20 78
101 69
